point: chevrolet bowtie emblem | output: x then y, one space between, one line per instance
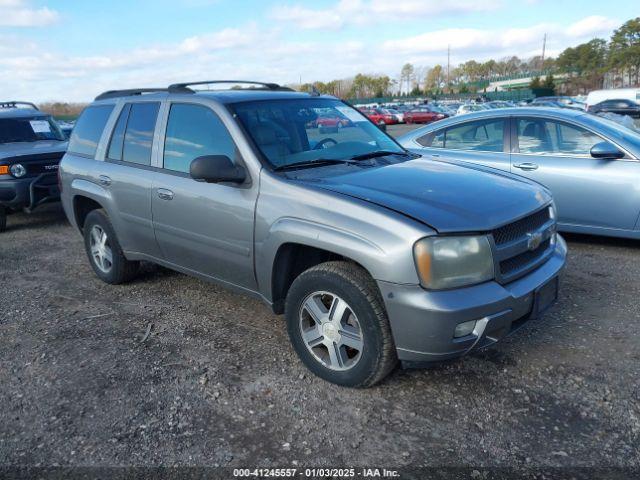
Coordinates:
534 240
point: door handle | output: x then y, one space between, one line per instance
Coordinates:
526 166
104 180
165 194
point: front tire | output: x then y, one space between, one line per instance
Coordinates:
338 325
104 251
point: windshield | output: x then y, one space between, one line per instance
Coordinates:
294 131
29 129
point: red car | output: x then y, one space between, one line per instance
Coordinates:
331 121
423 115
379 117
328 121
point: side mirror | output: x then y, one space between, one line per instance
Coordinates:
606 151
216 169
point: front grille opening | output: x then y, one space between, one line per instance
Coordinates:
519 229
38 163
513 264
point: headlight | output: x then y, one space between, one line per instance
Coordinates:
553 214
450 262
17 170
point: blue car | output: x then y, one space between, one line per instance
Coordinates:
590 164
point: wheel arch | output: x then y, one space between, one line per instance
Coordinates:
85 197
295 245
82 206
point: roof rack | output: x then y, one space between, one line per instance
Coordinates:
128 92
15 104
184 87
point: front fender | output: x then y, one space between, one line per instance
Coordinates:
378 260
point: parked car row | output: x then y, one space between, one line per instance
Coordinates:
620 105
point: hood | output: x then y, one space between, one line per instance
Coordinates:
19 149
448 197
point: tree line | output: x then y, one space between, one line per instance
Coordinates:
585 67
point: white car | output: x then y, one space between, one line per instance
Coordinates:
470 107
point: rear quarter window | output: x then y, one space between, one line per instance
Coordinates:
88 130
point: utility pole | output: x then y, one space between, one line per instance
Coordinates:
448 62
544 46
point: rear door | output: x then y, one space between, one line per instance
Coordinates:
587 191
485 142
204 227
125 173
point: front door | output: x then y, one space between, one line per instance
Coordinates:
203 227
587 191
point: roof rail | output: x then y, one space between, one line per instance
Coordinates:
15 104
184 87
128 92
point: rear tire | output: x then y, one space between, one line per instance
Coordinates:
352 349
104 251
3 219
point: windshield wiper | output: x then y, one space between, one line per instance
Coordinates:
380 153
311 163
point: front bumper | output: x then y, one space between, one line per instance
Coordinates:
28 193
423 322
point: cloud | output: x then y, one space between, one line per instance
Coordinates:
591 26
18 13
511 41
363 12
33 72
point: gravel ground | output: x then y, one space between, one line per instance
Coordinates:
169 370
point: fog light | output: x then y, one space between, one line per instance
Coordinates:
17 170
464 329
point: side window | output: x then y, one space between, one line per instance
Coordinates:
88 130
485 136
193 131
433 139
546 137
575 140
117 138
138 137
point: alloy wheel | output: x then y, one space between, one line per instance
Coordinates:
331 331
101 249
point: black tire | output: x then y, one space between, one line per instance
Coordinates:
3 219
354 285
121 269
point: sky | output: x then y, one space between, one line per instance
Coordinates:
64 50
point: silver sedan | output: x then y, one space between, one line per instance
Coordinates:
590 164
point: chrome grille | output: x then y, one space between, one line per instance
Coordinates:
523 245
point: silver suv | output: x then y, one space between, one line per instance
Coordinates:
374 254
